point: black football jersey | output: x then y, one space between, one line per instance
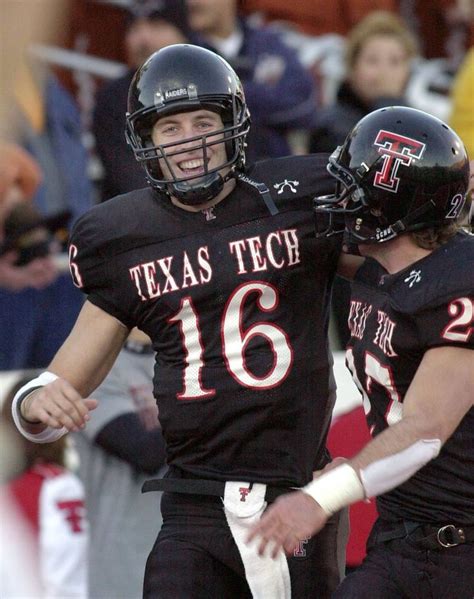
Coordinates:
235 300
394 320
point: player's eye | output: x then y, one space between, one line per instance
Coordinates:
205 125
169 129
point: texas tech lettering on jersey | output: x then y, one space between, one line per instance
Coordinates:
154 279
395 150
358 314
253 254
384 334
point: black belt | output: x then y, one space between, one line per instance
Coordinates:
428 536
203 487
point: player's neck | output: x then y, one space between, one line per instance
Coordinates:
397 254
228 187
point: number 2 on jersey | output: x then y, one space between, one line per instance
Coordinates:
461 327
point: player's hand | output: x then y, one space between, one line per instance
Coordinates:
292 517
58 404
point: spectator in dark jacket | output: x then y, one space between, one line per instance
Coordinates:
379 53
280 93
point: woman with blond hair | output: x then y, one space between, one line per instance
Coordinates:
379 55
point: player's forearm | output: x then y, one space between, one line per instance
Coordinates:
84 375
390 442
89 352
394 456
386 462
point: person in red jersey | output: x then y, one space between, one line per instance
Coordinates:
47 501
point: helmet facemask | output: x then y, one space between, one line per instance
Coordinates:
194 189
347 203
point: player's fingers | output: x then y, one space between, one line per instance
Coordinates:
262 545
276 536
271 540
91 404
290 544
261 528
46 418
62 397
254 532
276 545
59 413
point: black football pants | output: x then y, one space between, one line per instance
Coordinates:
195 556
399 569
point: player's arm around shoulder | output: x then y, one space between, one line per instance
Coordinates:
58 399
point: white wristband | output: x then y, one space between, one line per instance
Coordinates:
336 489
49 434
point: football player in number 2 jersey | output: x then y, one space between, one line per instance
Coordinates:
403 178
219 265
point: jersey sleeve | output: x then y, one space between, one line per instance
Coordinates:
63 537
92 265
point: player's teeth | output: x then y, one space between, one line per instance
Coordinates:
191 164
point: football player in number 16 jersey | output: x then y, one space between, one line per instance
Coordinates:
403 179
219 265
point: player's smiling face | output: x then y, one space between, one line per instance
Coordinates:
189 160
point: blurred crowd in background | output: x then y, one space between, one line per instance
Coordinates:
310 70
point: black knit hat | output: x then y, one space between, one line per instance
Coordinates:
172 11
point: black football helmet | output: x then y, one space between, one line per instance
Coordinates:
182 78
399 170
